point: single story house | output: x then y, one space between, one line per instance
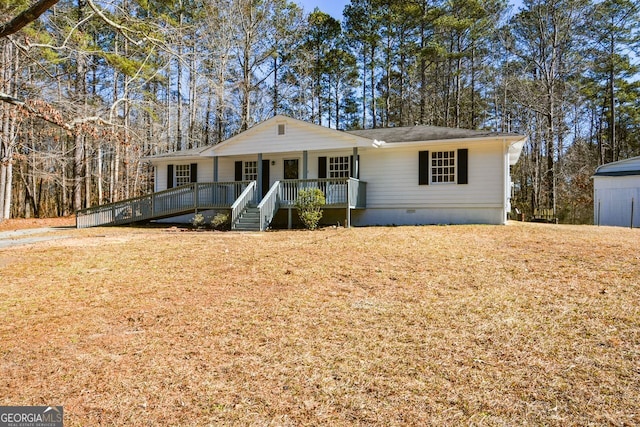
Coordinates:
403 176
616 193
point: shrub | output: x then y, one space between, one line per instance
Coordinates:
198 221
308 205
220 221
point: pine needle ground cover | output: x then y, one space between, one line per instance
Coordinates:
522 324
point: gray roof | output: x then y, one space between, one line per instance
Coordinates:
193 152
425 133
624 167
618 173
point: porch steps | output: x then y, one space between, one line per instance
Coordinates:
249 220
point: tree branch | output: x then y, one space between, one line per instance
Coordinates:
26 17
50 115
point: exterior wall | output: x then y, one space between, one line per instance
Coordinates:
395 197
391 172
297 138
613 198
205 171
226 165
393 193
427 216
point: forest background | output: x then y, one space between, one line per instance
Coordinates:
92 87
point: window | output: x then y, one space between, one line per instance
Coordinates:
443 167
291 169
250 171
183 174
281 129
339 167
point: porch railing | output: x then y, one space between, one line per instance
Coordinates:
338 192
174 201
269 205
357 193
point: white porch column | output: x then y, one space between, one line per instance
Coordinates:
305 162
356 163
259 187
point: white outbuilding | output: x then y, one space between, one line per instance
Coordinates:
616 193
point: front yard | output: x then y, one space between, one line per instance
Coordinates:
523 324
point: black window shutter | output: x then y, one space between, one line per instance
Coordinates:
463 166
265 175
353 167
194 172
423 168
239 170
169 176
322 167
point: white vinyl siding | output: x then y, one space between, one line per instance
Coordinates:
297 138
205 171
391 176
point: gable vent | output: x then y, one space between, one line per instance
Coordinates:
281 129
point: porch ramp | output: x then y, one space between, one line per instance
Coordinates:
182 200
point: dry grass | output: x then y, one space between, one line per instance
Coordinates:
475 325
24 223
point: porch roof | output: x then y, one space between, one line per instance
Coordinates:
193 153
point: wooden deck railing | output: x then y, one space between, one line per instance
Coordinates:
174 201
338 192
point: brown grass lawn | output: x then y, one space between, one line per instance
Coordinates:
23 223
521 324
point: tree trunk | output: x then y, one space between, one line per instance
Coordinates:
78 161
372 85
612 105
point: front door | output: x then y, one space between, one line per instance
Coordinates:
291 169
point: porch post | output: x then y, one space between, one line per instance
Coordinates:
259 187
305 160
349 201
356 164
215 169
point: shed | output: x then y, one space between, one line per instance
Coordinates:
616 193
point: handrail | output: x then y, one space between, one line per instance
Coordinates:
269 206
241 203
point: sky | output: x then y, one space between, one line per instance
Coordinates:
336 7
332 7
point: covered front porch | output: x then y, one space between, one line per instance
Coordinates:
242 199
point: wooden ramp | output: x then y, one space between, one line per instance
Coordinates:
248 211
176 201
